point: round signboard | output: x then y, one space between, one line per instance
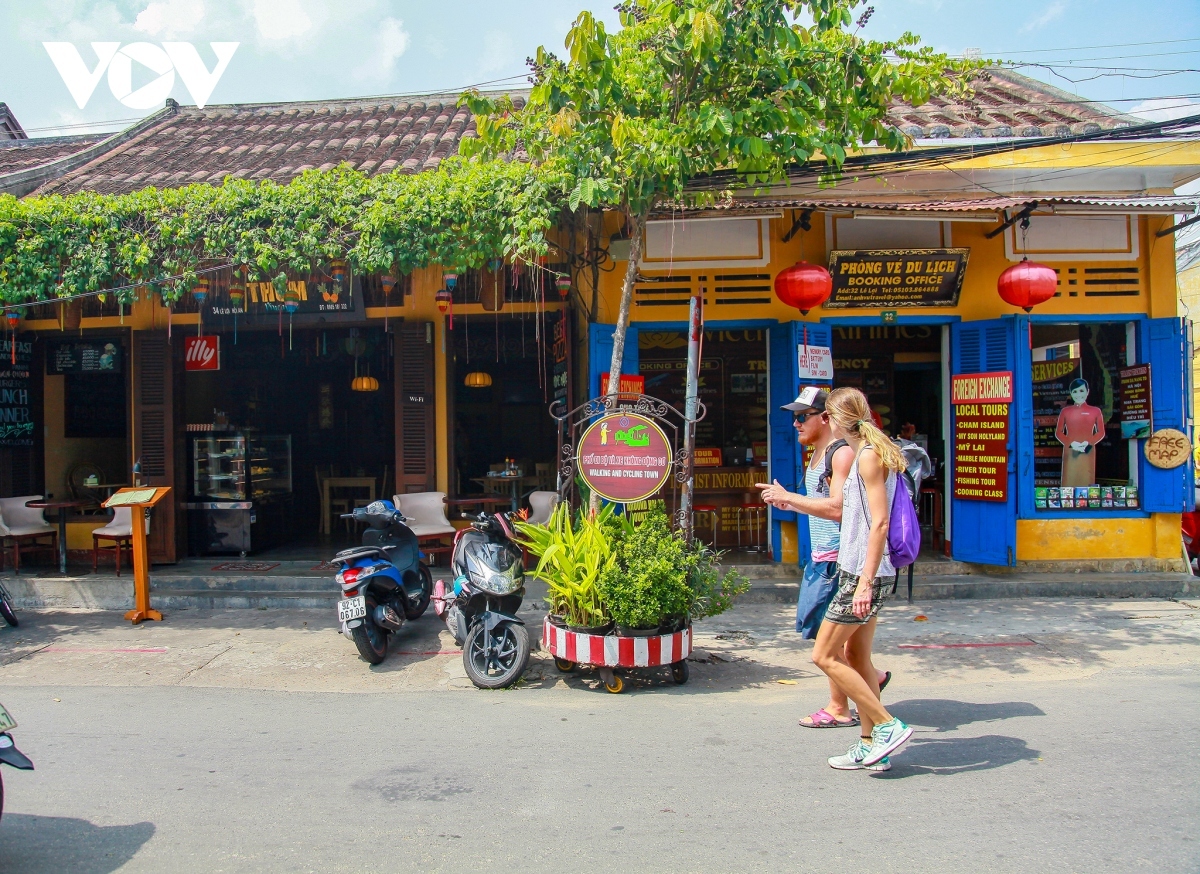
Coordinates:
1167 448
624 457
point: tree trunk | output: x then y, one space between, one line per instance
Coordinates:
636 223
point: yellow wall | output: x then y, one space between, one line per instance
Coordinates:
62 454
1099 538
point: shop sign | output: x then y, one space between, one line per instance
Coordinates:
816 363
16 413
1167 448
1135 402
202 353
317 299
96 356
630 384
706 458
891 278
981 422
624 457
562 357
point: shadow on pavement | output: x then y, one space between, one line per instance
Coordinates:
958 755
31 843
945 714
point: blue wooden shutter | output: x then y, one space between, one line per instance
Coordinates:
783 453
985 532
1162 340
600 348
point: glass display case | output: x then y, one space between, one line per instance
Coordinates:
241 492
241 467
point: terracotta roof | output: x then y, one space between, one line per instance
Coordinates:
278 141
21 154
10 128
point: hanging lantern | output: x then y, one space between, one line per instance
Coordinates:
478 379
804 286
338 270
200 289
388 282
1027 284
13 317
564 285
364 383
291 300
450 277
495 264
444 300
237 289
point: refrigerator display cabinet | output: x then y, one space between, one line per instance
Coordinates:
241 492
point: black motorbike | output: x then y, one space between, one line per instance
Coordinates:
9 754
6 609
480 607
384 582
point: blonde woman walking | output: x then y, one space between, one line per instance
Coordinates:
843 647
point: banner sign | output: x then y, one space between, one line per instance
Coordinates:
16 413
1135 402
706 457
202 353
624 457
318 299
891 278
981 422
95 356
816 363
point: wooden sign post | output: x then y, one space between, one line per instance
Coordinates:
137 500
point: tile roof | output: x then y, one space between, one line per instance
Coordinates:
10 128
278 141
408 134
24 153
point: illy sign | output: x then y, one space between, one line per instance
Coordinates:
202 353
164 61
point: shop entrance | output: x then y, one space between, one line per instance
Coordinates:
502 374
283 437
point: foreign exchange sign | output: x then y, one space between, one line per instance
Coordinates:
887 278
624 457
981 421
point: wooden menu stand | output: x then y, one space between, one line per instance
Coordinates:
137 500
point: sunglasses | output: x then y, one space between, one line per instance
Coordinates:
804 417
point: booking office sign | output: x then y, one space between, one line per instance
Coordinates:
624 457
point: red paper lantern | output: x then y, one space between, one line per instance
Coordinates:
1027 284
804 286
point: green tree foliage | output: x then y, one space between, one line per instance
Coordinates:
462 214
688 88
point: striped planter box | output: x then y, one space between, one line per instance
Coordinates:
614 651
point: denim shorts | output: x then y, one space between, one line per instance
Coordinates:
816 588
841 607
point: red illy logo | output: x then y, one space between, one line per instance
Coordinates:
202 353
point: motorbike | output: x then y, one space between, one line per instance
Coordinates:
9 754
6 609
384 582
480 607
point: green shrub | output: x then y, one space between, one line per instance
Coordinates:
571 558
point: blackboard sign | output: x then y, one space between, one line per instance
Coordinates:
94 405
93 356
887 278
16 412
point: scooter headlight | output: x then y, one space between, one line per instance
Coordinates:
503 582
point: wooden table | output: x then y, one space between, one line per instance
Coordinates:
341 482
480 501
61 507
515 482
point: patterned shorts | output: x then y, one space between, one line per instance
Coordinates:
841 608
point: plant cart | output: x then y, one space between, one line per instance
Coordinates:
607 652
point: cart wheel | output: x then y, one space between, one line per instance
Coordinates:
680 672
563 665
616 685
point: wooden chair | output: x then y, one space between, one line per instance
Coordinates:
120 532
24 529
546 478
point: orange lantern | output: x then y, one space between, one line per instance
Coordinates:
804 286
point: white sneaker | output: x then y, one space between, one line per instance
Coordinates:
886 739
853 760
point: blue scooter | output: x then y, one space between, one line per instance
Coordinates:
384 582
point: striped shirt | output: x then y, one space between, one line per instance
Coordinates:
824 534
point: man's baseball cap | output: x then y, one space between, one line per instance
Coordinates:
811 399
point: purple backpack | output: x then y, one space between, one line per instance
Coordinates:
904 529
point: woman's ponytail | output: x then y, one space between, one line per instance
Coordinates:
849 408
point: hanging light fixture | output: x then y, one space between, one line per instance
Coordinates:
478 379
364 383
1027 284
804 286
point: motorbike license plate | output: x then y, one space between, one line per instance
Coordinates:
352 608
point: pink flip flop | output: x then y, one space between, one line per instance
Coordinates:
823 719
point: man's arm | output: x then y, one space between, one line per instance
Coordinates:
822 508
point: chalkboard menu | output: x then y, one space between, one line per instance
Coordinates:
93 356
16 412
887 278
94 405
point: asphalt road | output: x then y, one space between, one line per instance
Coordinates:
1070 752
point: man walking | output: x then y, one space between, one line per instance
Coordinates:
824 476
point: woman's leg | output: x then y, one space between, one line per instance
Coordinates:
829 655
858 656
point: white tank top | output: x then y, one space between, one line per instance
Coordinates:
856 523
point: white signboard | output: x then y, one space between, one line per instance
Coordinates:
816 363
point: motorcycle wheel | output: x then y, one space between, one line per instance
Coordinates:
505 667
413 611
6 611
371 640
